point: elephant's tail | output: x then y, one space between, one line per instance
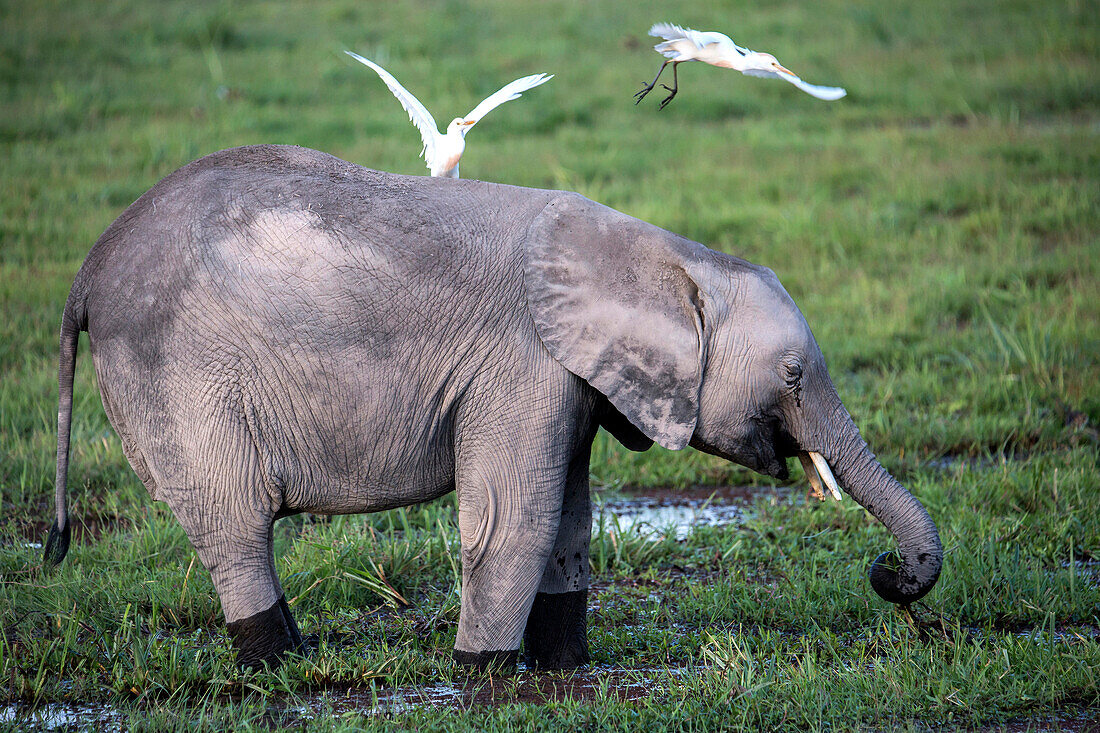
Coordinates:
73 321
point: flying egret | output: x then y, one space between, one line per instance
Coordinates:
716 49
442 151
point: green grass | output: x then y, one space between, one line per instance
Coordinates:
938 228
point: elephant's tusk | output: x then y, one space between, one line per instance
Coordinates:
811 476
826 474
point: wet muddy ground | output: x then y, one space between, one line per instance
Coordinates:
656 512
594 683
597 681
58 717
678 511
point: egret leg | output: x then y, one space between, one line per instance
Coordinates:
675 86
648 88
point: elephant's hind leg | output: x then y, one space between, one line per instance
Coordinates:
230 522
240 558
267 636
556 634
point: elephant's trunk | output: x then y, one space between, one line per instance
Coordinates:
909 573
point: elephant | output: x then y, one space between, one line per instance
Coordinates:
277 331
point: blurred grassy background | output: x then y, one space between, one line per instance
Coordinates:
938 227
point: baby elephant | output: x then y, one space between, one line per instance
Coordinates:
277 331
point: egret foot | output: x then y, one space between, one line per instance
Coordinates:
668 99
675 85
639 96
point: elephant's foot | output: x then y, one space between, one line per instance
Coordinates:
300 646
557 631
266 637
503 660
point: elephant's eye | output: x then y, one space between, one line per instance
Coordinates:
792 372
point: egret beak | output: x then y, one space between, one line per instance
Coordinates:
818 473
467 123
783 69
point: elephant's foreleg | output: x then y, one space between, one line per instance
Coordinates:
556 635
508 519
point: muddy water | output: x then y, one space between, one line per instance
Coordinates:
595 682
677 511
656 512
1086 570
660 512
57 716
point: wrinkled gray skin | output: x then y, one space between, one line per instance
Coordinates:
278 331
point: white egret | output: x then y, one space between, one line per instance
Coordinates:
716 49
442 151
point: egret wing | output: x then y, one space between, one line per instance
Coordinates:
671 32
829 94
419 115
667 31
506 93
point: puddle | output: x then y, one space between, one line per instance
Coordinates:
57 716
1086 570
1062 635
525 686
950 462
1067 634
678 511
1070 721
597 681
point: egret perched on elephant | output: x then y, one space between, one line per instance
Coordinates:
276 331
442 151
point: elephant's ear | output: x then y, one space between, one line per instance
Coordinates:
612 302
